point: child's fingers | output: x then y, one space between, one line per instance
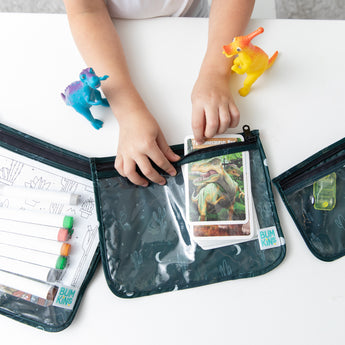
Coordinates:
161 160
198 123
132 174
128 169
171 155
118 164
212 121
235 115
147 169
166 149
224 118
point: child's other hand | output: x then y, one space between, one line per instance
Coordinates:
214 109
140 139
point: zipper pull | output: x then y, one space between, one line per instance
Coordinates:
248 136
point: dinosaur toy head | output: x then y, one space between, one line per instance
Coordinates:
207 171
83 94
89 77
240 43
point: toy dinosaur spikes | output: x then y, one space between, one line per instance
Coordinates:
250 59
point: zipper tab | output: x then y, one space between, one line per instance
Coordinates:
248 136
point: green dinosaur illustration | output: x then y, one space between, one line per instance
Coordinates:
215 189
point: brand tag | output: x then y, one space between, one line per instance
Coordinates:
66 297
268 238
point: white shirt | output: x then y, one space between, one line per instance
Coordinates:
140 9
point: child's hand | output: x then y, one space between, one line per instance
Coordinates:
214 110
140 139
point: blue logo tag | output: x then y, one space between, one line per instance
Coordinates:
65 297
268 238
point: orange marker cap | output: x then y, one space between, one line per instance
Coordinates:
65 249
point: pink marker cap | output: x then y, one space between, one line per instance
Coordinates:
63 235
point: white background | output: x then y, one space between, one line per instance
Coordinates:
298 106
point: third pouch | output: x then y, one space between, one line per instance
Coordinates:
314 194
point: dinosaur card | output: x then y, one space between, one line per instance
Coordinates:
207 239
218 199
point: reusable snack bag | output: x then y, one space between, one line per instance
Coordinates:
313 192
145 243
31 160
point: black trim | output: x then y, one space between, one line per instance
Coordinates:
32 147
310 169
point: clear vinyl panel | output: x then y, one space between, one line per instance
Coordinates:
147 246
317 207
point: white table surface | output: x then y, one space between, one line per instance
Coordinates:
298 106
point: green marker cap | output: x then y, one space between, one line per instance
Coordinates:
67 222
61 262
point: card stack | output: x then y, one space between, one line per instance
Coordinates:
219 206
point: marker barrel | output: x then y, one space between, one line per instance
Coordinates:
29 270
39 218
33 256
39 194
39 244
30 286
35 230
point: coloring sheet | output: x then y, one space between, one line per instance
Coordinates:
17 170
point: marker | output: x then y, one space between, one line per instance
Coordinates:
39 194
30 286
35 230
39 244
29 270
40 218
33 256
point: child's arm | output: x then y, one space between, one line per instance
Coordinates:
214 109
140 136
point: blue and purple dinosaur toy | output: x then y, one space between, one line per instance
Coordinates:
83 94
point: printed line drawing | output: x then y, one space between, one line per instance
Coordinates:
9 174
21 171
87 208
86 247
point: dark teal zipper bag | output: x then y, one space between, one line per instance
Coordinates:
314 193
145 245
48 318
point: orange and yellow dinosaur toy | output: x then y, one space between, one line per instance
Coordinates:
250 59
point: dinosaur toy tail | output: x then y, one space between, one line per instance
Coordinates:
63 97
272 59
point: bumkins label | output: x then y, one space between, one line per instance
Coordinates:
65 297
268 238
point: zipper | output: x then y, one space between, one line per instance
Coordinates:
29 146
105 166
309 171
249 142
